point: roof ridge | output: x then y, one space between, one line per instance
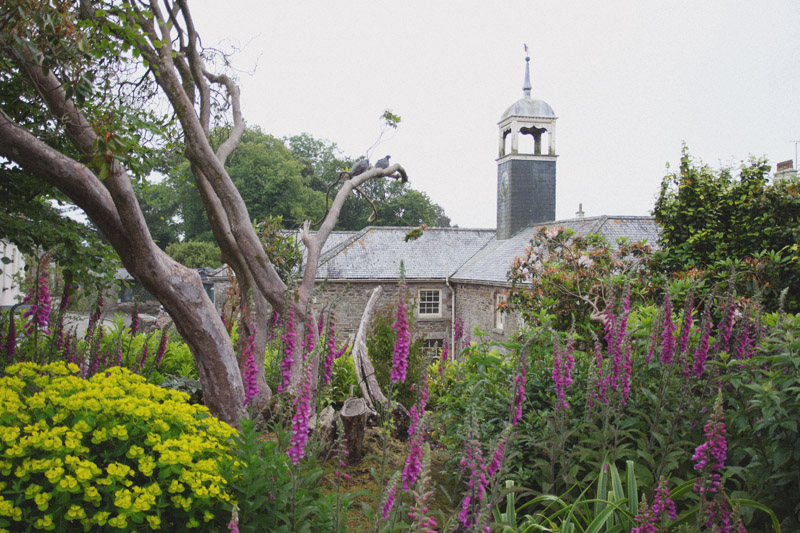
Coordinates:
597 226
333 252
479 250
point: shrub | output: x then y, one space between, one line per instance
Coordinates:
108 452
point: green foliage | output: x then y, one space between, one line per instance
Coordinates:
160 205
343 381
397 204
195 254
273 495
712 221
111 451
380 347
657 424
763 416
282 248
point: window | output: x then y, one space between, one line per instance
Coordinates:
499 310
430 303
431 347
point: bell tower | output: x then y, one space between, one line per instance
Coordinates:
526 166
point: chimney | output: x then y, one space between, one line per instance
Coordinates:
785 171
579 213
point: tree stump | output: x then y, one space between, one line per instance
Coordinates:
354 423
327 425
401 421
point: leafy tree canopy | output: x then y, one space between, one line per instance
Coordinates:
195 254
715 221
287 178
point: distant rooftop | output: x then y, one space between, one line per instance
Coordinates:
493 262
376 253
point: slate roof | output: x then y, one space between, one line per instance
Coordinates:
376 252
493 262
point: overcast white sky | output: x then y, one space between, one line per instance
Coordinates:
629 80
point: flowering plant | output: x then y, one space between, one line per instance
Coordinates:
108 452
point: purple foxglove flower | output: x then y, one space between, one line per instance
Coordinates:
301 419
413 466
711 455
38 314
443 358
134 327
663 501
667 332
519 390
403 343
389 503
162 347
497 460
327 364
310 328
250 375
288 339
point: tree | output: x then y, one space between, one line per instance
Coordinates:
195 254
271 180
36 220
73 112
713 221
391 204
159 205
572 279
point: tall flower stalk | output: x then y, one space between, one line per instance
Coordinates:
250 374
302 416
289 341
403 344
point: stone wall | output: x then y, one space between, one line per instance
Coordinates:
351 299
475 305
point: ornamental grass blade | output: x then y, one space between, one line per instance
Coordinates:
602 489
633 491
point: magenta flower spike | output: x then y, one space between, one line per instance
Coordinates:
497 460
134 328
38 314
327 364
389 503
519 390
413 465
301 419
711 455
663 501
403 343
310 328
443 358
288 339
667 332
162 348
250 375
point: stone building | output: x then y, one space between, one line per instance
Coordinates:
456 274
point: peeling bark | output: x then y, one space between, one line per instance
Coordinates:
171 46
365 372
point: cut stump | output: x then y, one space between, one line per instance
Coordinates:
354 424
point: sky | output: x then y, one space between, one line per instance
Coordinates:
630 81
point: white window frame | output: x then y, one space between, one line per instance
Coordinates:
432 347
499 314
423 312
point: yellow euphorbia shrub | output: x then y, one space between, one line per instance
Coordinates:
108 452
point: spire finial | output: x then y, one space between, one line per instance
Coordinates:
526 87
